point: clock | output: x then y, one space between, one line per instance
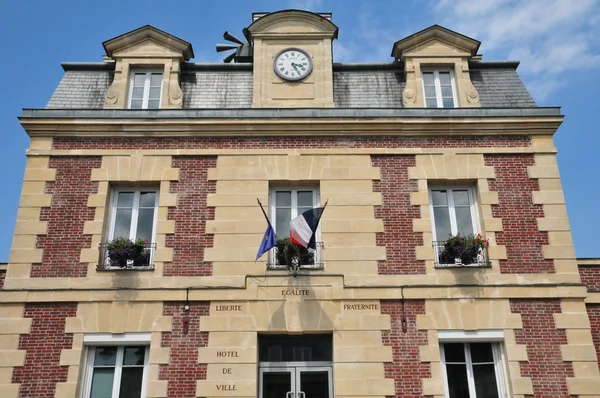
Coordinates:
292 64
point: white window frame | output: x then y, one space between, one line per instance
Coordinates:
146 95
121 341
452 211
294 214
134 212
494 337
438 86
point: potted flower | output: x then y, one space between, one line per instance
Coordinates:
463 249
121 250
287 252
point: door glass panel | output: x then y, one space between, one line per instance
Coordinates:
102 383
317 347
485 381
458 386
315 384
276 384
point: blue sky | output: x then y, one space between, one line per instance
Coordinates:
556 41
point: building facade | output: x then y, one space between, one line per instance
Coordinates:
444 263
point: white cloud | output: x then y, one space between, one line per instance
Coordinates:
550 37
309 5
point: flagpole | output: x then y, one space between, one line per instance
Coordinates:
263 211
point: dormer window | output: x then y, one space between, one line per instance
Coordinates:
145 89
438 86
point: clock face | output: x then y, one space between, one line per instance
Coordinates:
292 64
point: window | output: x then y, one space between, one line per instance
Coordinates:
453 212
285 205
145 89
473 370
438 86
116 365
133 217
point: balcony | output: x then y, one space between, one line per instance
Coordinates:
138 260
451 257
302 259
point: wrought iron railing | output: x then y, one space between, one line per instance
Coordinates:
446 257
137 260
304 258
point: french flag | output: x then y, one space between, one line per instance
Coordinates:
303 228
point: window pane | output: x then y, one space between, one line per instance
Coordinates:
464 222
444 78
461 197
431 103
447 91
139 79
153 104
457 381
155 93
131 382
305 199
283 198
145 222
428 78
147 199
125 199
105 356
137 93
303 209
134 355
282 224
448 103
481 352
442 223
136 104
429 91
439 198
122 223
485 381
102 383
454 352
156 79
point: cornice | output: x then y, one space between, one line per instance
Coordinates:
290 122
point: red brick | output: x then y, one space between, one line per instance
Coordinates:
593 311
406 368
190 215
184 370
520 233
546 368
256 142
43 345
590 277
397 214
66 217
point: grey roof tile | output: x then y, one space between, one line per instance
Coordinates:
81 89
368 89
500 88
217 89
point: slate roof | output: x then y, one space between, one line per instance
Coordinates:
215 86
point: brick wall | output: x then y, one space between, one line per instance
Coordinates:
43 344
190 215
545 366
520 233
406 369
288 142
590 277
183 369
66 216
397 215
593 311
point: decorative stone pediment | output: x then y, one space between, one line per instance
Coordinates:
146 48
148 41
293 22
435 41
